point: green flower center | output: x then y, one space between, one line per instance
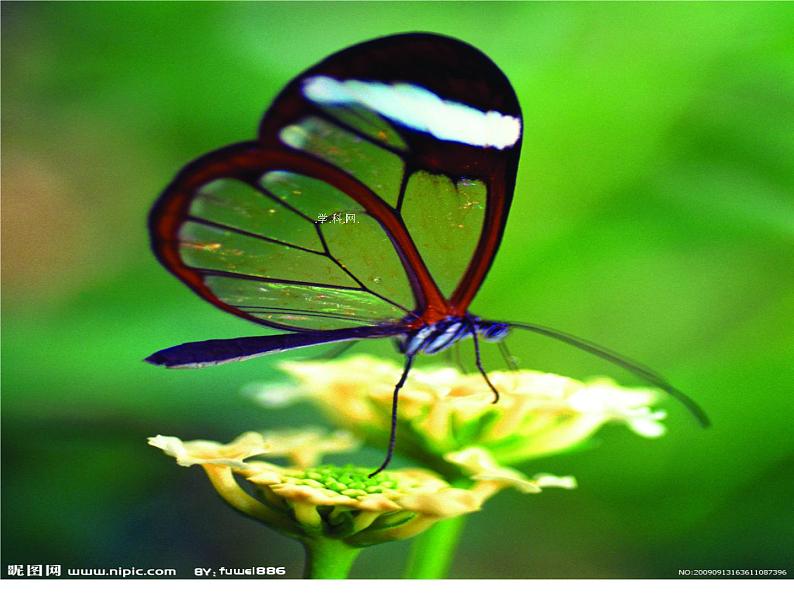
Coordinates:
347 480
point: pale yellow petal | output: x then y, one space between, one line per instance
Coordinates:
189 453
309 494
448 502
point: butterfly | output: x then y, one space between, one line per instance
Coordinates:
371 204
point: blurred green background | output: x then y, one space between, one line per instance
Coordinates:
654 213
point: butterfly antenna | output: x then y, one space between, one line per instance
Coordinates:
409 360
639 370
509 359
478 362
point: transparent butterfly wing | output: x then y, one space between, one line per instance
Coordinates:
370 197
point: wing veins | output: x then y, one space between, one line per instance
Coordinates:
401 193
301 312
220 226
352 276
250 277
278 200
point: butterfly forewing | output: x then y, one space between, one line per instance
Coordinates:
450 118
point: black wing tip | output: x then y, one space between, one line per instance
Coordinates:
158 359
170 358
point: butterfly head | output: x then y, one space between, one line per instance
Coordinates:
431 339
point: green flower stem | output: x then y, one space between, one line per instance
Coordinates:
327 558
432 551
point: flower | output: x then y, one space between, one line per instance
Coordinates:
443 411
344 502
447 421
320 500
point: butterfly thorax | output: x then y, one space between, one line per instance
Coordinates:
436 337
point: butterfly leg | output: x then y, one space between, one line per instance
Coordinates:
452 357
458 360
409 360
509 359
478 362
